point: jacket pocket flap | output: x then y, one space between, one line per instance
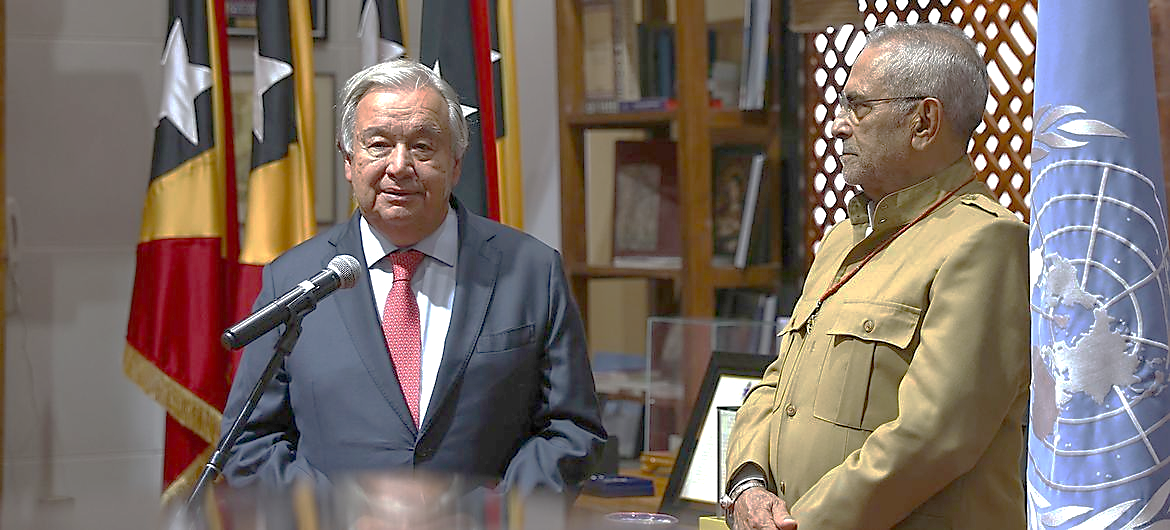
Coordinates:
506 340
800 315
888 322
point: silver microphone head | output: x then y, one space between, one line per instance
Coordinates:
347 268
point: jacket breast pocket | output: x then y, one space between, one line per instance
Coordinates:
507 340
869 352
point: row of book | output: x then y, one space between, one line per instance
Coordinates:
750 306
630 65
646 231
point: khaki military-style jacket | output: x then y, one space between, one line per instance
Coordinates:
899 404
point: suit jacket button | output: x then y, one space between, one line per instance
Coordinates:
780 487
790 410
867 325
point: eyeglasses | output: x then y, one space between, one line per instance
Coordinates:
855 110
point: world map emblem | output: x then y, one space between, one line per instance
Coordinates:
1099 317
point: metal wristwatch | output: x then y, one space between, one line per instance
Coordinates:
727 501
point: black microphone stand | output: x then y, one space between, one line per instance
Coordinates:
284 346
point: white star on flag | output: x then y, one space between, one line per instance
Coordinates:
374 48
467 111
268 72
183 81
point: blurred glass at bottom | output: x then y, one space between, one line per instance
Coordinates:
372 501
643 520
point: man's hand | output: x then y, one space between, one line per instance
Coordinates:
759 509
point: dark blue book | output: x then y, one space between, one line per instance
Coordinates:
618 486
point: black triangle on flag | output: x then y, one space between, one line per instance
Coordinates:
380 31
389 24
448 46
497 65
186 127
274 64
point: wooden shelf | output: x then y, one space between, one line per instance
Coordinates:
601 271
697 127
648 503
719 119
622 120
757 276
736 119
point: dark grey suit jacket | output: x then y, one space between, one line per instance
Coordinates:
514 399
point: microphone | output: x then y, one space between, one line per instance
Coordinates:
341 273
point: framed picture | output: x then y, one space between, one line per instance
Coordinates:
330 190
646 230
693 488
241 17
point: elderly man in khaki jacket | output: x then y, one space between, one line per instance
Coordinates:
897 397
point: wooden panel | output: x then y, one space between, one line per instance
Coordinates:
572 143
694 156
1004 31
3 232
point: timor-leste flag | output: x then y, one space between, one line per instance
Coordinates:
470 44
456 44
280 211
510 171
187 245
380 31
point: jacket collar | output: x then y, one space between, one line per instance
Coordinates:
898 208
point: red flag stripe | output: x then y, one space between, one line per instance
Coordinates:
184 274
482 46
225 137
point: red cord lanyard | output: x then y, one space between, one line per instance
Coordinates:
849 275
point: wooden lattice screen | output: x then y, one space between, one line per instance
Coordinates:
1004 31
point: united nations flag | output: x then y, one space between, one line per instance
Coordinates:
1099 443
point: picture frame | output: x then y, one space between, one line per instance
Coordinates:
240 16
693 484
331 192
726 421
646 231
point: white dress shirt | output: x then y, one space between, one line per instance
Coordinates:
434 283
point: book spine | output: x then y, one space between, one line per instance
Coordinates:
625 51
749 212
635 105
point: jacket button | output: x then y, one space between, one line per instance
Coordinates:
790 410
867 325
780 487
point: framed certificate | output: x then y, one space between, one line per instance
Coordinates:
694 485
241 17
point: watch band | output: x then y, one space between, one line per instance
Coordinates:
729 498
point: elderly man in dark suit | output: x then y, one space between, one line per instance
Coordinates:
460 349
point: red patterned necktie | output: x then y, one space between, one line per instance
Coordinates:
400 324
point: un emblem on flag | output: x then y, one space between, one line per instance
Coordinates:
1099 318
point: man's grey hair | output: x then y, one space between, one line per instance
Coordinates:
933 60
404 75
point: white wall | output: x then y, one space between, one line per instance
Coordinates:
83 445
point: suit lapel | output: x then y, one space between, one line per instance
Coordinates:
475 280
364 326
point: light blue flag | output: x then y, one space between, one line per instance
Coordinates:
1099 442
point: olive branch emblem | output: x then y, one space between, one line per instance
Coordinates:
1045 140
1041 516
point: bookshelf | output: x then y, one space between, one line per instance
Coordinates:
697 127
